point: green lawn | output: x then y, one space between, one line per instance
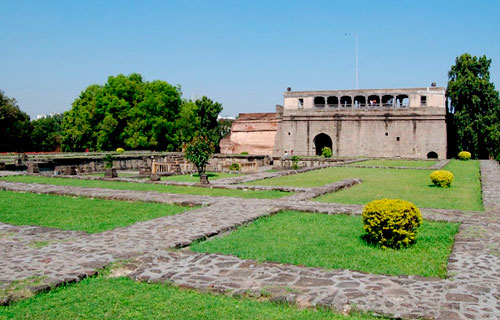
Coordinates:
411 185
84 214
196 177
395 163
334 241
122 298
149 187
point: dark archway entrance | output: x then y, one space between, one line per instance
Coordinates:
432 155
320 141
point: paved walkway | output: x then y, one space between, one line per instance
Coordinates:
45 257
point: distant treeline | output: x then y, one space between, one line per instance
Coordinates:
125 112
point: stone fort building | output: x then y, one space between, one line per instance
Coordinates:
408 123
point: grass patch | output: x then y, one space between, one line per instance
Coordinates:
84 214
20 289
116 185
412 185
396 163
334 241
196 177
122 298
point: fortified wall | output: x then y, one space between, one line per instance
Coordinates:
408 123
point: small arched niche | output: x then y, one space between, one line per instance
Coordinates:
345 101
359 101
319 102
387 101
402 101
332 101
432 155
374 100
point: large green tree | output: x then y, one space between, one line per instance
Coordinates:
46 133
14 126
474 109
199 118
125 112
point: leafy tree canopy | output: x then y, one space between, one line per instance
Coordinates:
125 112
14 126
199 118
475 107
46 133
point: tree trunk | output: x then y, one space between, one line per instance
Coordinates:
203 178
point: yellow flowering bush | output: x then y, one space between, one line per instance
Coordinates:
120 150
464 155
442 178
391 223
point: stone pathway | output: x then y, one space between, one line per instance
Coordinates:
407 297
10 173
327 188
52 256
63 256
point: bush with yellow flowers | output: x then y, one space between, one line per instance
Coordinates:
391 223
442 178
464 155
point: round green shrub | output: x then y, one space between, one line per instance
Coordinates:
326 152
391 223
235 166
442 178
464 155
120 150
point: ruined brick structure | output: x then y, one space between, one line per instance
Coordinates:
251 132
409 123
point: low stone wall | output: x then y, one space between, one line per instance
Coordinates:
86 163
218 163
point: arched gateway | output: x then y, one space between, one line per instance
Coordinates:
320 141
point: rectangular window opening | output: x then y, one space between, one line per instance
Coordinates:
423 100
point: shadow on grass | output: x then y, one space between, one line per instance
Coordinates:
372 243
435 186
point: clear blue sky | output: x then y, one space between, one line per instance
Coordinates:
241 53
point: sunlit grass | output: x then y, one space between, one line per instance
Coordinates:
267 194
122 298
378 183
334 241
71 213
396 163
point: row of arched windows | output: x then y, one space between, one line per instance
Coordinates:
389 101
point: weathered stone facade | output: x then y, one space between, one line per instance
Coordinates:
251 132
408 123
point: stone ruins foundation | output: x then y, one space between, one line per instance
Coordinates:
408 123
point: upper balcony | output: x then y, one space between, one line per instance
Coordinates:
365 99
